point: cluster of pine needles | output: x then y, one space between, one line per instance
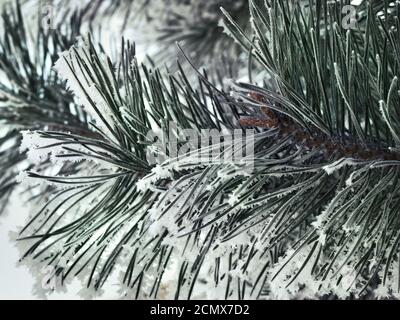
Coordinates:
316 217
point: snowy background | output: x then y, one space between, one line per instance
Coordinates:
16 282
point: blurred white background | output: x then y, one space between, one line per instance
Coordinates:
16 281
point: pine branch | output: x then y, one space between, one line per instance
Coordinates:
197 215
126 102
313 217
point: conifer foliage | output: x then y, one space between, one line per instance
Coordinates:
313 212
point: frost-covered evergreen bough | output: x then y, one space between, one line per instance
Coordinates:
316 216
